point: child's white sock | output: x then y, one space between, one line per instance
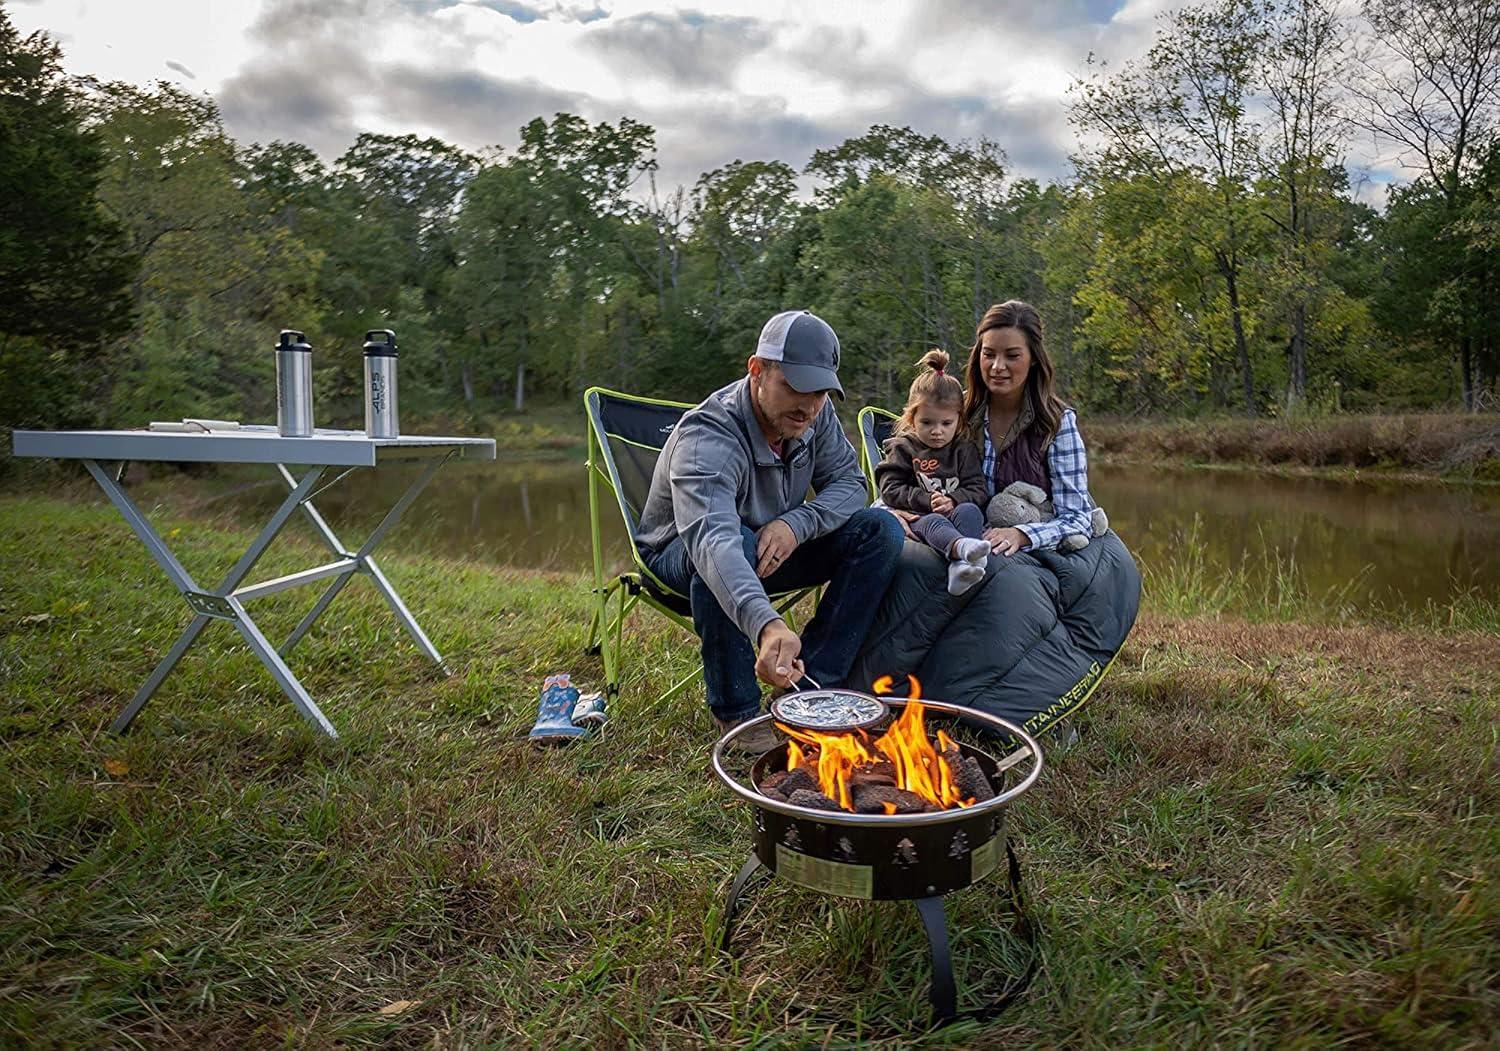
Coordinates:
972 550
962 575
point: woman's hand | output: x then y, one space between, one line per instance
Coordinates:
906 518
1006 541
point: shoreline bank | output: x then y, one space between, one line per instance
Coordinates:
1450 447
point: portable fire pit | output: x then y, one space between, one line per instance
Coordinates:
886 813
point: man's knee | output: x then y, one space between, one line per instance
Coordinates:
748 539
878 529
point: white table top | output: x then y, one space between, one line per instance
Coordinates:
248 444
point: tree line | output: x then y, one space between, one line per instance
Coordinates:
1209 254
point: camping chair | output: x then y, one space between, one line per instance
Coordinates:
626 435
876 425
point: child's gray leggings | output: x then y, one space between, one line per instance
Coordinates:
939 531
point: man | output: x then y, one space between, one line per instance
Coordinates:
728 520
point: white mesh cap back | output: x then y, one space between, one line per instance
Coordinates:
772 344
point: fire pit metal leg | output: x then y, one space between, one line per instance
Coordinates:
732 903
944 996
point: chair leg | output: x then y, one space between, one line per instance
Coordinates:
611 634
594 646
696 675
619 630
607 645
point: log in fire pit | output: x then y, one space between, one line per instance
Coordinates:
884 812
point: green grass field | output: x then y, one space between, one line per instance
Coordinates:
1272 833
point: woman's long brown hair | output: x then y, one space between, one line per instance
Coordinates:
1040 380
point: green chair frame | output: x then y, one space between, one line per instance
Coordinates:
638 585
875 426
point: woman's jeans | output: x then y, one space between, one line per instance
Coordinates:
856 561
938 531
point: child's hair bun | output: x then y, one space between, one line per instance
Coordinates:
934 359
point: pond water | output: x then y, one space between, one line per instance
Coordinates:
1399 544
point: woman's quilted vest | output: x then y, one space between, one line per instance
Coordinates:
1024 461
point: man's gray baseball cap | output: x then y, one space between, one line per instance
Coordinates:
805 347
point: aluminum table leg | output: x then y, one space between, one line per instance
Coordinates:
187 638
281 673
367 565
403 614
209 605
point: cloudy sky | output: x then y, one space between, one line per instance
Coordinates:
718 79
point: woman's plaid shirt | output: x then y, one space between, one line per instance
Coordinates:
1068 465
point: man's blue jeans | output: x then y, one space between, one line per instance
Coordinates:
856 561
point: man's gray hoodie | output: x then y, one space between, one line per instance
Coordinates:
717 472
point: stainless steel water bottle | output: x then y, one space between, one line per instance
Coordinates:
380 384
294 411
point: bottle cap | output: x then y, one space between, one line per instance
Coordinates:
380 342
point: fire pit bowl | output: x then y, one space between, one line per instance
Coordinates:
886 857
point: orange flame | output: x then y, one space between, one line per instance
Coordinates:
917 766
885 684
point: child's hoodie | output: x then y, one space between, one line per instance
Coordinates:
911 473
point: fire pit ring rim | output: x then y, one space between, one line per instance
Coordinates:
843 817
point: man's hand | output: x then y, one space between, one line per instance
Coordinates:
773 546
942 503
778 662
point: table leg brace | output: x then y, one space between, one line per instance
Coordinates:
366 564
219 604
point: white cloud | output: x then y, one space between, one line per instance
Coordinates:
718 79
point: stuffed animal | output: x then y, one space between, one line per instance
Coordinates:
1022 504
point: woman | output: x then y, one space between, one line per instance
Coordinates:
1023 429
1031 642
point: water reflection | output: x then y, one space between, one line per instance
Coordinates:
1397 543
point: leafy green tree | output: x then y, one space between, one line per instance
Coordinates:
1151 334
540 239
891 284
504 279
216 280
1431 88
65 268
731 271
1306 63
1184 110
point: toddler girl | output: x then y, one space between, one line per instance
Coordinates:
927 468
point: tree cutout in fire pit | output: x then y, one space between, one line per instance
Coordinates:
903 771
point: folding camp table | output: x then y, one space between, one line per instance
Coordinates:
325 449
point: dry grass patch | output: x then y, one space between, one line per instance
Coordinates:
1409 663
1460 444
